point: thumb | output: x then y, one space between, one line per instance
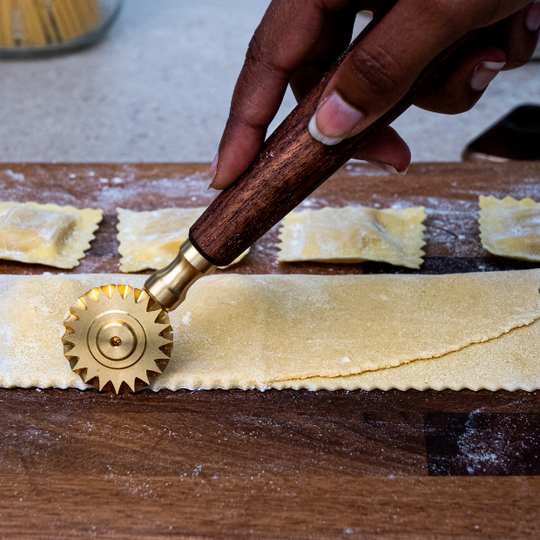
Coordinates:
380 70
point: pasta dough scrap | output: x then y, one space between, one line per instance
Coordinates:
302 331
354 234
152 239
510 228
46 233
509 362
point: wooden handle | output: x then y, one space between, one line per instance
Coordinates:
292 164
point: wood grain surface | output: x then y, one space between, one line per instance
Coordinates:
277 464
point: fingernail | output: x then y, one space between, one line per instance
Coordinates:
334 120
212 172
386 167
532 20
484 73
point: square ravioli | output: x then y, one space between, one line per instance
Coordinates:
510 228
152 239
46 233
354 234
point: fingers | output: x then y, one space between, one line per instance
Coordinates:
379 71
520 35
280 44
334 38
386 63
388 151
532 17
462 88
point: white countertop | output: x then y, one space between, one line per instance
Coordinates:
158 89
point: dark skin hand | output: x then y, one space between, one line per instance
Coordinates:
297 40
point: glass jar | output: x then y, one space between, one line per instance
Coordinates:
47 27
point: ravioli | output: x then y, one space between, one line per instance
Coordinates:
354 234
151 239
46 233
510 228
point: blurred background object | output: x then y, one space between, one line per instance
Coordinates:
30 28
516 137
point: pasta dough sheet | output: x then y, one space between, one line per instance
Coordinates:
152 239
301 331
354 234
510 228
46 233
509 362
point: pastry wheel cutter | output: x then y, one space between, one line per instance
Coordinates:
119 338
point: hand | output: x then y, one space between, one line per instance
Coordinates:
298 40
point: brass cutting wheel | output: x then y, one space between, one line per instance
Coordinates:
117 338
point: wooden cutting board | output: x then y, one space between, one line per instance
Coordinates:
277 464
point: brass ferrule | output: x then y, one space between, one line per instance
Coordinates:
169 285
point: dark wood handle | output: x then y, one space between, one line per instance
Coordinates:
292 164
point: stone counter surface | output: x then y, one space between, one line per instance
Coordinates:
158 89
